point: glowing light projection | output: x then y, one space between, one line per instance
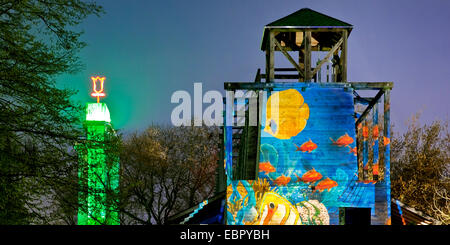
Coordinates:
98 169
97 112
98 92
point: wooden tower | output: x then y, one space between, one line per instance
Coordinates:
313 151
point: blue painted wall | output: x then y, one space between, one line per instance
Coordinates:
289 189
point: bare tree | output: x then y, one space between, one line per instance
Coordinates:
420 168
166 170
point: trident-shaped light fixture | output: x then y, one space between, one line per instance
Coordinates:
97 92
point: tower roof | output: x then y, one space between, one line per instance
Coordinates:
305 18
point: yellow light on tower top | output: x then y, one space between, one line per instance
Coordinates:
97 87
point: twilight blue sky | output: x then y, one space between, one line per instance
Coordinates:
149 49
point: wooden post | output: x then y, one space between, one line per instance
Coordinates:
300 62
359 148
307 56
387 148
301 58
383 186
259 104
344 57
270 58
370 150
376 152
365 150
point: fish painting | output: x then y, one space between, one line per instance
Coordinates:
353 150
325 184
310 177
375 132
286 114
282 180
308 146
276 210
266 167
386 141
344 140
365 132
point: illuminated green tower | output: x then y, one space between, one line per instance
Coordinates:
98 169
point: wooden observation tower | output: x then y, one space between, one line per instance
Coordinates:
314 151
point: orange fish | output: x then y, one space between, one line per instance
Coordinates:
365 132
344 140
311 176
375 132
353 150
266 167
325 184
386 141
375 168
308 146
282 180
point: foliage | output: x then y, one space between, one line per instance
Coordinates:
38 122
420 168
166 170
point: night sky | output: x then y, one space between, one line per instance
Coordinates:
149 49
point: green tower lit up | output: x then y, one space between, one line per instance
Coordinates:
98 169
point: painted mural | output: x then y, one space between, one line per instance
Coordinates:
308 165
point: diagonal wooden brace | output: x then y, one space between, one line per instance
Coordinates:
288 57
327 57
369 107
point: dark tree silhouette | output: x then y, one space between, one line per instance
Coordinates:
38 123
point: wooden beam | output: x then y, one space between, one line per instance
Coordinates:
369 107
302 29
387 133
371 85
283 76
285 69
376 140
387 148
301 56
327 57
307 56
365 155
344 56
288 56
354 85
270 58
363 100
268 86
370 152
359 149
258 140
